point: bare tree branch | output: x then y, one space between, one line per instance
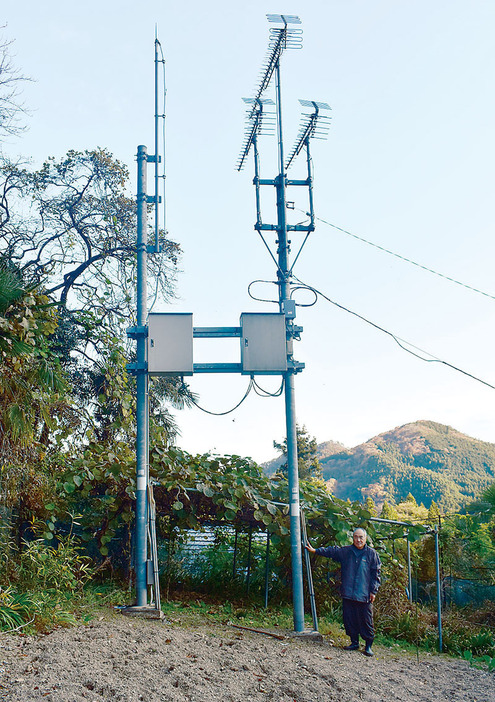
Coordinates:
11 108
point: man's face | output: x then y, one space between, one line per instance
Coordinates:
359 539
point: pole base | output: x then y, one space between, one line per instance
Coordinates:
146 612
307 634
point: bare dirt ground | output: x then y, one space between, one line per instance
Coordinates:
128 659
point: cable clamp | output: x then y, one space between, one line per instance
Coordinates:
137 332
135 368
295 366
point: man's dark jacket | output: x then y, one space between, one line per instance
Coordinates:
360 575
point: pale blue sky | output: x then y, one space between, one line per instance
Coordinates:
408 164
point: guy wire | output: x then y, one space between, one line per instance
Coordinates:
398 340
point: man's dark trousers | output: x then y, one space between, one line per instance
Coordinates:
358 620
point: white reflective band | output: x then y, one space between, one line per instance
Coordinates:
141 482
294 509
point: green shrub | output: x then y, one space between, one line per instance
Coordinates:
61 567
459 634
15 608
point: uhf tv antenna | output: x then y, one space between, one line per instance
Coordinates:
315 122
285 33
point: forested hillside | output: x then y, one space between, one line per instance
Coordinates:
432 461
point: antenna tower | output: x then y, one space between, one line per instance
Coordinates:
146 558
285 34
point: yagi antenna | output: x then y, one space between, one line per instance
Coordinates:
314 125
258 121
280 38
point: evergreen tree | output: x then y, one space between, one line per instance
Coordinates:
307 459
433 512
388 511
371 507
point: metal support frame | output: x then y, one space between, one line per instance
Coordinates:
309 574
280 39
154 548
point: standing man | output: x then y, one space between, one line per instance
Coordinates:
360 580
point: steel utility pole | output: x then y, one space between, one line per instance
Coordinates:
142 384
284 276
145 510
288 35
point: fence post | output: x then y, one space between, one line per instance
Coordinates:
439 593
409 573
234 564
267 567
248 575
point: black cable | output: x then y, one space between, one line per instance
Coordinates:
302 304
220 414
398 340
155 297
402 258
264 393
275 302
260 299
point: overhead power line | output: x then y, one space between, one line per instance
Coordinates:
401 342
402 258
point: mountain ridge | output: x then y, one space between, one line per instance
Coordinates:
432 461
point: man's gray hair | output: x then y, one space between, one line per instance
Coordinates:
360 529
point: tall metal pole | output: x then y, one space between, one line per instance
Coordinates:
290 407
157 158
409 572
267 567
142 386
439 593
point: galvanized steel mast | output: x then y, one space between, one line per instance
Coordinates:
144 526
142 385
282 37
283 275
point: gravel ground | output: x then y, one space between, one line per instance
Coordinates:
129 659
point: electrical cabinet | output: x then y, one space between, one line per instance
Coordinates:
263 343
170 343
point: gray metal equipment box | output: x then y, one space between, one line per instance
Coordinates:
263 343
170 343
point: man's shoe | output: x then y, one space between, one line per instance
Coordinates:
353 646
367 651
